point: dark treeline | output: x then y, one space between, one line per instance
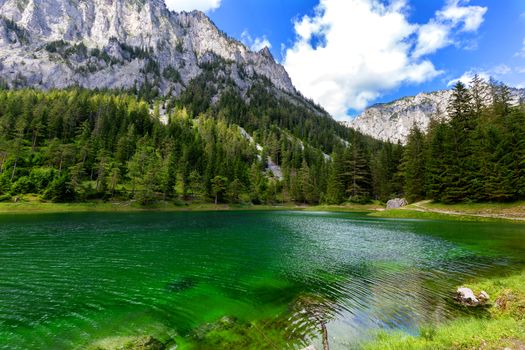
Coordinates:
477 155
77 145
82 145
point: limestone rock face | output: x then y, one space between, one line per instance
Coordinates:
393 121
396 203
121 44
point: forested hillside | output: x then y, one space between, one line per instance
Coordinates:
76 145
478 155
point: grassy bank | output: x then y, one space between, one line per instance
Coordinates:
501 326
30 205
42 207
514 212
423 215
428 210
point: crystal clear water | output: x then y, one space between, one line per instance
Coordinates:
70 280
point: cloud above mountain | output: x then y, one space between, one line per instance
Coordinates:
351 51
257 43
189 5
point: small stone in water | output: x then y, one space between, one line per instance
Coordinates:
466 296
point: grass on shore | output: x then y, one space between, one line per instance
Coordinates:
32 204
483 212
477 207
428 215
503 326
423 210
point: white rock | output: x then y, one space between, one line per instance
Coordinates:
466 296
483 297
396 203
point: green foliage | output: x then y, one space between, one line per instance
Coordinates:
60 190
414 166
475 156
172 74
218 187
108 145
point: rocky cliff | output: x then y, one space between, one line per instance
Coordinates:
393 121
122 44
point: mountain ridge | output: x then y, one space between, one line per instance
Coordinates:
122 44
392 121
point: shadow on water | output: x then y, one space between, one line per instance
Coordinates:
182 284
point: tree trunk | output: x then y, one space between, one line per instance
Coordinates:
216 199
35 135
4 157
325 337
60 167
14 169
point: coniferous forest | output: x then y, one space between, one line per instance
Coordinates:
81 145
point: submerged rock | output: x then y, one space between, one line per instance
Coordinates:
130 343
311 347
181 285
396 203
466 297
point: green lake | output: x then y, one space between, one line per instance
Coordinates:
226 280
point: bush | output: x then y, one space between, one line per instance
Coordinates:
60 190
359 200
41 178
5 183
22 185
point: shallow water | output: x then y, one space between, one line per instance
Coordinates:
69 280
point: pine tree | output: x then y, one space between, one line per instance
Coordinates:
414 166
357 173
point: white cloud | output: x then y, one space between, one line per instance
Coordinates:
466 78
521 53
439 32
364 51
469 17
496 72
502 69
255 44
432 37
190 5
351 51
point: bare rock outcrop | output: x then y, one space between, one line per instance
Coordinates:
396 203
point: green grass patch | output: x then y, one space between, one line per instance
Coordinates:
476 207
504 326
427 215
33 204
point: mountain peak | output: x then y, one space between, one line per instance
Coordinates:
121 44
267 53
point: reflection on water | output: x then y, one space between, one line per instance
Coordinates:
68 280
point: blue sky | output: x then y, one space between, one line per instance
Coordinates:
349 54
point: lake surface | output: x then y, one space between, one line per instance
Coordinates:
69 281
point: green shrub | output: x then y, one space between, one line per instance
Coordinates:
60 190
22 185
